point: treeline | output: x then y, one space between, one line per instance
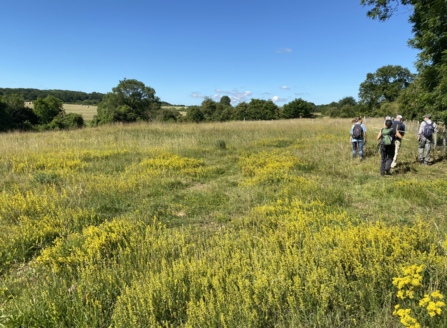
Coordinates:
391 90
46 114
132 101
256 109
380 95
67 97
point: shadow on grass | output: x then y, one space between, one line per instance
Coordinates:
404 168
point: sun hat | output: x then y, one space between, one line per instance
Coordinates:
427 115
399 116
388 118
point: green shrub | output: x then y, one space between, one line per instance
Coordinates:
46 178
220 144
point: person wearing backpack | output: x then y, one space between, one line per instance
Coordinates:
358 138
387 149
399 126
425 137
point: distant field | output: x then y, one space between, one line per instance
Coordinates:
88 112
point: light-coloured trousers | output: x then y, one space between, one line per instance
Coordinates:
424 143
397 144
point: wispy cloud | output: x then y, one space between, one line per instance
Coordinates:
266 93
301 94
285 87
278 99
196 95
235 95
283 50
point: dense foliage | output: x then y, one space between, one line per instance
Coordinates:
429 20
68 97
46 114
48 108
129 101
379 95
385 85
255 110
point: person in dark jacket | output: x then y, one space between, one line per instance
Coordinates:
387 149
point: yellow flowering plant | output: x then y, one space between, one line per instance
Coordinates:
415 307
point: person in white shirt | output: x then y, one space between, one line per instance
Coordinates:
398 125
425 137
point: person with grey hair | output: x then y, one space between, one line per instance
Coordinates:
425 137
398 125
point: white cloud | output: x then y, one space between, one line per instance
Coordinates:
283 50
196 95
301 94
235 95
277 99
285 87
266 93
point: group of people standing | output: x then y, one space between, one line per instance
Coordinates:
391 137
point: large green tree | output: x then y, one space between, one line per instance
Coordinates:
255 109
385 84
298 108
16 109
195 114
225 100
47 109
428 93
240 112
349 101
6 122
271 110
129 101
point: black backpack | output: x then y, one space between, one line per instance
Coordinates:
428 130
397 126
357 132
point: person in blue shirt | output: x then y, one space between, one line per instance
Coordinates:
399 126
358 138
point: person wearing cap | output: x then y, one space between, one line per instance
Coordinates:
425 137
398 125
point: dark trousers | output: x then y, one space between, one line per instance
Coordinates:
387 158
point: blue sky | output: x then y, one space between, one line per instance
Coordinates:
317 50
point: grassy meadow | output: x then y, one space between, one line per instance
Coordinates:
238 224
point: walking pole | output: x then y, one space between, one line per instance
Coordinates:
443 140
435 144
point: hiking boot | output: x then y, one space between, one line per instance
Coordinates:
387 172
361 159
